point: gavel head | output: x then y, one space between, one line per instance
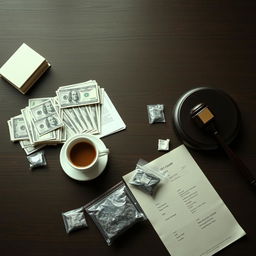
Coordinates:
202 115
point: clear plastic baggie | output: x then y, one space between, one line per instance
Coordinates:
115 211
146 178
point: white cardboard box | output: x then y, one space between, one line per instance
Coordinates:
24 68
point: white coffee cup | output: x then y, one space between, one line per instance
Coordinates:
82 151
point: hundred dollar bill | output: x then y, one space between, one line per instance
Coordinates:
69 133
30 149
56 136
10 130
60 133
19 128
27 123
43 110
73 120
25 143
69 124
94 114
34 136
81 117
78 95
98 110
36 101
52 136
86 117
63 134
78 85
89 115
74 115
48 124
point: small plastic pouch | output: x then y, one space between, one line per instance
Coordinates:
115 211
156 113
74 219
163 145
36 159
146 178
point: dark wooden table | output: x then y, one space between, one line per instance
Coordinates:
141 52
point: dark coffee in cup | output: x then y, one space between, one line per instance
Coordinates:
82 154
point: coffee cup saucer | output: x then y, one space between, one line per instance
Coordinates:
88 174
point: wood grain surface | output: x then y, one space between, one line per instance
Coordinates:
142 52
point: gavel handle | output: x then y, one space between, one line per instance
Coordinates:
239 164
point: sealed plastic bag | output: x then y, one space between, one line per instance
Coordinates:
156 113
114 212
74 219
36 159
146 178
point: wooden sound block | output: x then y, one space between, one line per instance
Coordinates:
223 107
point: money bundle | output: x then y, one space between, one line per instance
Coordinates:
52 120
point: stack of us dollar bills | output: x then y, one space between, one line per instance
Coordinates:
45 121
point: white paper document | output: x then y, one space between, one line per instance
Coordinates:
111 120
186 212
